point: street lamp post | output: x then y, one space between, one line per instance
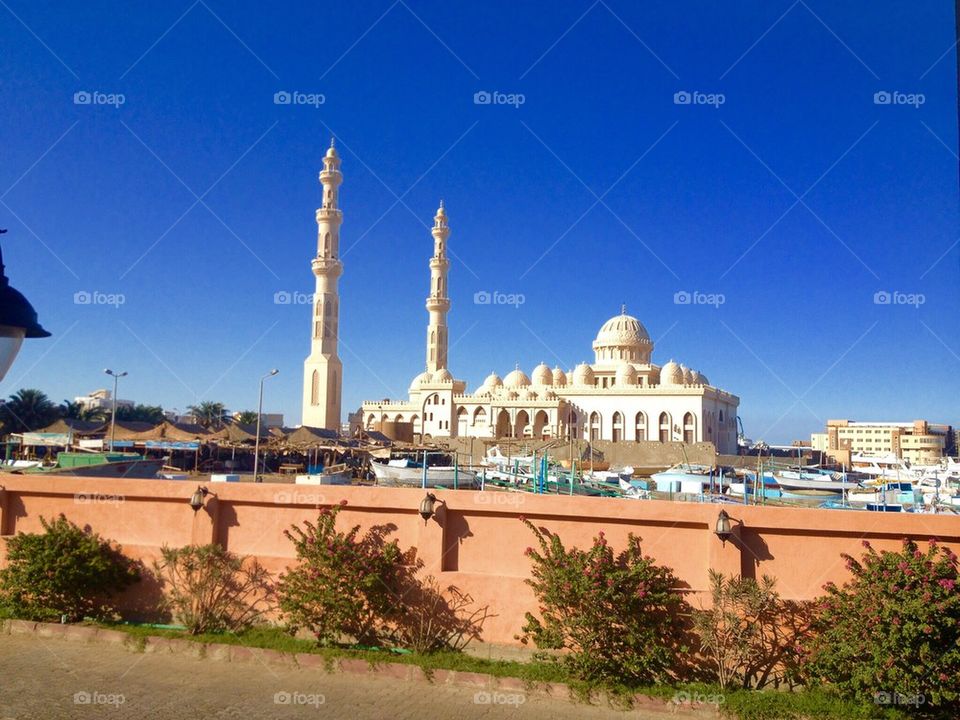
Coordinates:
18 320
256 450
113 415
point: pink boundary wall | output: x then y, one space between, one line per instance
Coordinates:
475 541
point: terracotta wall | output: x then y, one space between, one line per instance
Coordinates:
475 541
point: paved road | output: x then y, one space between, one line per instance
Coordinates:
50 679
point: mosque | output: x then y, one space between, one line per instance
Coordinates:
623 396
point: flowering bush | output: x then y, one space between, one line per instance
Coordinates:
618 617
344 583
65 570
891 634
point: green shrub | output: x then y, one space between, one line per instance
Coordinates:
63 571
436 619
616 617
344 584
891 634
211 589
749 634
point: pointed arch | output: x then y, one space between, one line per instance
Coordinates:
617 435
664 425
596 426
640 426
315 387
689 428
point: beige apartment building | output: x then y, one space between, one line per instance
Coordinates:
918 442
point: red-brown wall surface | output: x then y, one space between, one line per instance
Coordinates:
476 541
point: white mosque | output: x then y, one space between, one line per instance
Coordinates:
622 396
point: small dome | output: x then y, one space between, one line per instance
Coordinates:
443 376
626 374
493 380
687 375
542 375
583 375
699 378
559 377
420 380
671 374
331 151
528 394
515 379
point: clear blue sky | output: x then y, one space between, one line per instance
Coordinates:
692 197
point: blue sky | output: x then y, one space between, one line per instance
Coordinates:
786 188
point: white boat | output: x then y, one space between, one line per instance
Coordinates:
888 467
407 473
333 475
822 482
496 458
889 493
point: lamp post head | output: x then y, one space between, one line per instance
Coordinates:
18 320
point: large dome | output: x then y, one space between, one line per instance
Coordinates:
671 374
623 338
542 375
516 379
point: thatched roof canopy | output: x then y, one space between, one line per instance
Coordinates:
83 428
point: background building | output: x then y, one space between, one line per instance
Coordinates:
101 400
919 441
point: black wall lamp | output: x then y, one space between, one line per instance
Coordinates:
723 529
428 507
196 500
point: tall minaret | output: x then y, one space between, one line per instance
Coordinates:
438 303
322 370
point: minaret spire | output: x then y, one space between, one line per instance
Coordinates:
438 303
323 371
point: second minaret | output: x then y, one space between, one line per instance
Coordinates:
438 303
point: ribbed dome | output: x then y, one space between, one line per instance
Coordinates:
542 375
626 374
699 378
583 375
687 375
559 377
443 375
493 380
516 379
622 337
671 374
421 379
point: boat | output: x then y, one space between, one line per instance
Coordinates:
495 458
98 464
332 475
684 478
405 472
819 481
888 493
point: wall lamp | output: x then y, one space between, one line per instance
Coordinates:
196 500
427 507
723 529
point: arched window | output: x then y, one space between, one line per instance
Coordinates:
689 428
596 425
315 388
479 417
371 421
463 417
640 426
664 427
617 427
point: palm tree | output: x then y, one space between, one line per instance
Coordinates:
246 417
141 413
27 410
78 411
209 414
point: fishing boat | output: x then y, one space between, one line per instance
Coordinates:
813 480
331 475
888 493
98 464
409 473
495 458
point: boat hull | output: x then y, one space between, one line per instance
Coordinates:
413 476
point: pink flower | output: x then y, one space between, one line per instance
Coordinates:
522 518
947 584
866 544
